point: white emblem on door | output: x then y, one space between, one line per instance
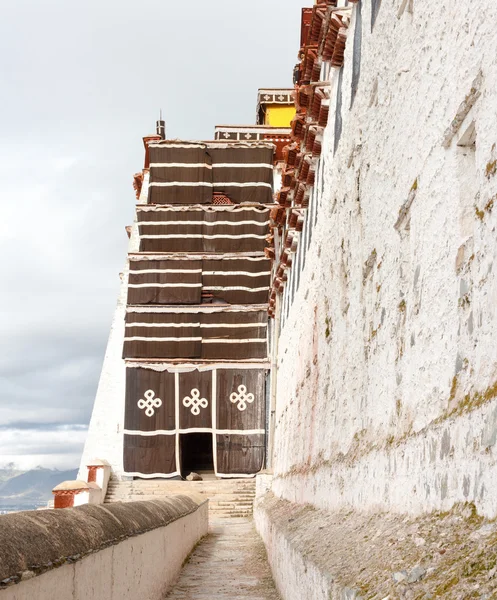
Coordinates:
242 397
195 402
150 403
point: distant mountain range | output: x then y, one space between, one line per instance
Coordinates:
25 490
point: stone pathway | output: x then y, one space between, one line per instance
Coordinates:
230 563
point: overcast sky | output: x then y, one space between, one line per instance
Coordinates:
80 85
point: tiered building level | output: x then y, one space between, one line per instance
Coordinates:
189 387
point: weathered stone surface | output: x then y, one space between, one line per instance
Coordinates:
416 575
393 406
230 563
36 541
319 555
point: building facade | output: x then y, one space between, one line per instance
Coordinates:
185 380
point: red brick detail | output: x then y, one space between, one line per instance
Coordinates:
92 474
219 198
137 184
64 499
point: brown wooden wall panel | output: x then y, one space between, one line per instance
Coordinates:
165 284
259 174
149 455
149 348
240 296
143 341
241 398
204 244
195 399
209 214
179 194
237 264
144 389
234 281
209 173
221 351
240 454
203 230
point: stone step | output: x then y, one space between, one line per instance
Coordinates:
228 499
213 503
224 498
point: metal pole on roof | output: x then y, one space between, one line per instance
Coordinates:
161 126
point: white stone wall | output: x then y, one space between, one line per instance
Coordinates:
394 322
105 432
145 566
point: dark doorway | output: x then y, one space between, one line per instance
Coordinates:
196 453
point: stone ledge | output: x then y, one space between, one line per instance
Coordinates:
347 555
33 542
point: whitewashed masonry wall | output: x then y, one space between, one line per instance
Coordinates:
387 363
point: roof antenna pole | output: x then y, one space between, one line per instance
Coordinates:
160 126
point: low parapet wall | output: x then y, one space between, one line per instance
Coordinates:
120 551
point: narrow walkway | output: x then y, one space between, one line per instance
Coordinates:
230 563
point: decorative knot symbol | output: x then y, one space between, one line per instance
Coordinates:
150 403
248 136
196 402
242 397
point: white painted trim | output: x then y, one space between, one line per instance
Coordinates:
232 325
206 145
178 325
216 236
152 475
215 273
243 165
180 256
264 129
245 273
203 308
195 430
200 367
210 184
224 341
234 287
150 433
164 285
176 421
138 338
206 223
211 166
175 474
205 325
193 285
214 417
192 145
211 208
142 271
181 165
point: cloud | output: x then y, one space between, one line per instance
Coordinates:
81 85
59 447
